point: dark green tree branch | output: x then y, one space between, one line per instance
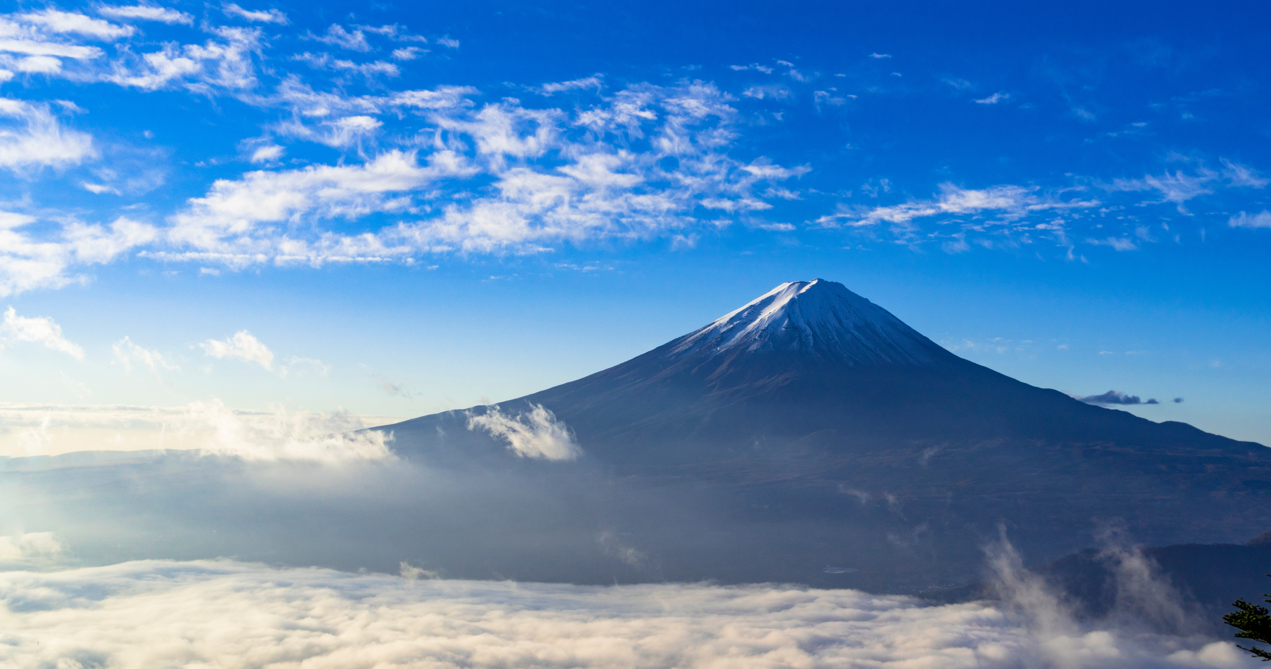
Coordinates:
1254 623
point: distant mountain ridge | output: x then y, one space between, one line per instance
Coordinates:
816 405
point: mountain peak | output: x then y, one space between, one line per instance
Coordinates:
819 318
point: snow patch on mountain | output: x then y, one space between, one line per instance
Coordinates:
820 318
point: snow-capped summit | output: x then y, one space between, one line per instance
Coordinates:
820 318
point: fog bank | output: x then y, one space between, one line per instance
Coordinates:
234 614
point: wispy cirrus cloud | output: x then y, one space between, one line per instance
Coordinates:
256 15
146 13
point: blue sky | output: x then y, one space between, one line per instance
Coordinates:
405 208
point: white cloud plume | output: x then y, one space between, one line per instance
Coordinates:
30 136
256 16
38 330
535 434
146 13
230 614
267 154
241 346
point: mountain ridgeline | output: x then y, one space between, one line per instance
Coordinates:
811 436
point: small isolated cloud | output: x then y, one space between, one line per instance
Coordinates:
408 53
993 99
1243 220
146 13
1116 397
880 55
242 346
535 434
256 16
128 353
38 330
267 154
1178 400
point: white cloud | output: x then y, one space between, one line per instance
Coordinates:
256 16
1243 175
146 13
1117 243
30 549
267 154
32 137
27 263
209 427
231 614
68 22
535 434
281 435
95 244
408 53
1011 201
241 346
555 178
40 65
442 97
337 133
595 81
879 55
38 330
994 99
127 353
226 221
337 36
1243 220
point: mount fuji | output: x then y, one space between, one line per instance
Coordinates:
811 436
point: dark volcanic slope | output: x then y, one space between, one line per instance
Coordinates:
816 402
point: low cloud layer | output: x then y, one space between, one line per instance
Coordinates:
535 434
1118 397
228 614
210 427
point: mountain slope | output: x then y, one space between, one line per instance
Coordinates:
812 405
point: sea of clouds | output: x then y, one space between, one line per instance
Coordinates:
223 613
